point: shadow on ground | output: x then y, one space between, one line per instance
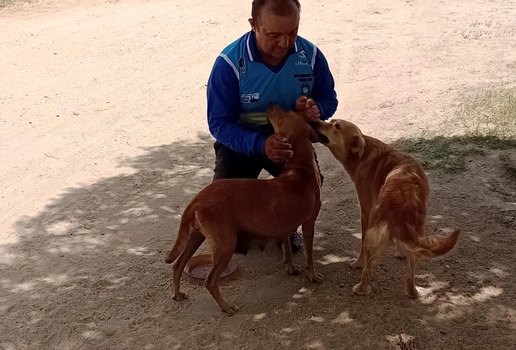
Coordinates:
87 272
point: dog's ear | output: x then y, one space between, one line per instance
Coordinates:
356 145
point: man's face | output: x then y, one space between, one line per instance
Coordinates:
275 35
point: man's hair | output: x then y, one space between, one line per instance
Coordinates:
279 7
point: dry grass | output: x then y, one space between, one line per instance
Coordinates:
489 112
5 3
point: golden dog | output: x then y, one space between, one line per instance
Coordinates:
392 189
230 211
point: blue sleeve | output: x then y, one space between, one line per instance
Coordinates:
224 112
324 87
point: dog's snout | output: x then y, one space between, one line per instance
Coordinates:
315 124
322 138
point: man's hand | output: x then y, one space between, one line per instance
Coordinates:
278 149
308 109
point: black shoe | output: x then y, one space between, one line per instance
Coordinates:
296 242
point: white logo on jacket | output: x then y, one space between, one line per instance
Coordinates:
250 98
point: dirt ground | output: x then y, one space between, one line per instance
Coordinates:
103 142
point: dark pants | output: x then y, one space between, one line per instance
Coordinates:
230 164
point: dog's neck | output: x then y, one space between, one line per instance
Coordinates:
377 154
304 160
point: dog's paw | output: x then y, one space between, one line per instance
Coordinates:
356 264
230 309
294 270
361 290
399 255
412 293
179 296
316 277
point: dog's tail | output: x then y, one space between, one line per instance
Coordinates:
432 245
182 236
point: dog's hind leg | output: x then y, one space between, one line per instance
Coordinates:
375 243
410 288
400 252
287 258
192 244
222 253
360 261
185 227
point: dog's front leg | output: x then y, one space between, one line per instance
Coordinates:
308 240
287 258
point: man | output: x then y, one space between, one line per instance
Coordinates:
270 64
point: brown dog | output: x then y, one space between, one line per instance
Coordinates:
229 211
392 189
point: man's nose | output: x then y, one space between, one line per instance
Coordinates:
283 41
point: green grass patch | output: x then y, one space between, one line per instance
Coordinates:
488 119
450 154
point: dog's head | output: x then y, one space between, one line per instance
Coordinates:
290 124
343 138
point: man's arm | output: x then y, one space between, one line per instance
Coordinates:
324 87
224 111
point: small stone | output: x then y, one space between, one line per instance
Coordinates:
474 239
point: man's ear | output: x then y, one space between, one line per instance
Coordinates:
356 146
252 23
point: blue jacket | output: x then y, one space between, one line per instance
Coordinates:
241 86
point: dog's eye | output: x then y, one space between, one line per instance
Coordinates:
337 126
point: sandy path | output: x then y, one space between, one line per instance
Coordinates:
103 140
84 88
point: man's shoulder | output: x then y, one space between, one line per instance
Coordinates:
236 44
303 41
